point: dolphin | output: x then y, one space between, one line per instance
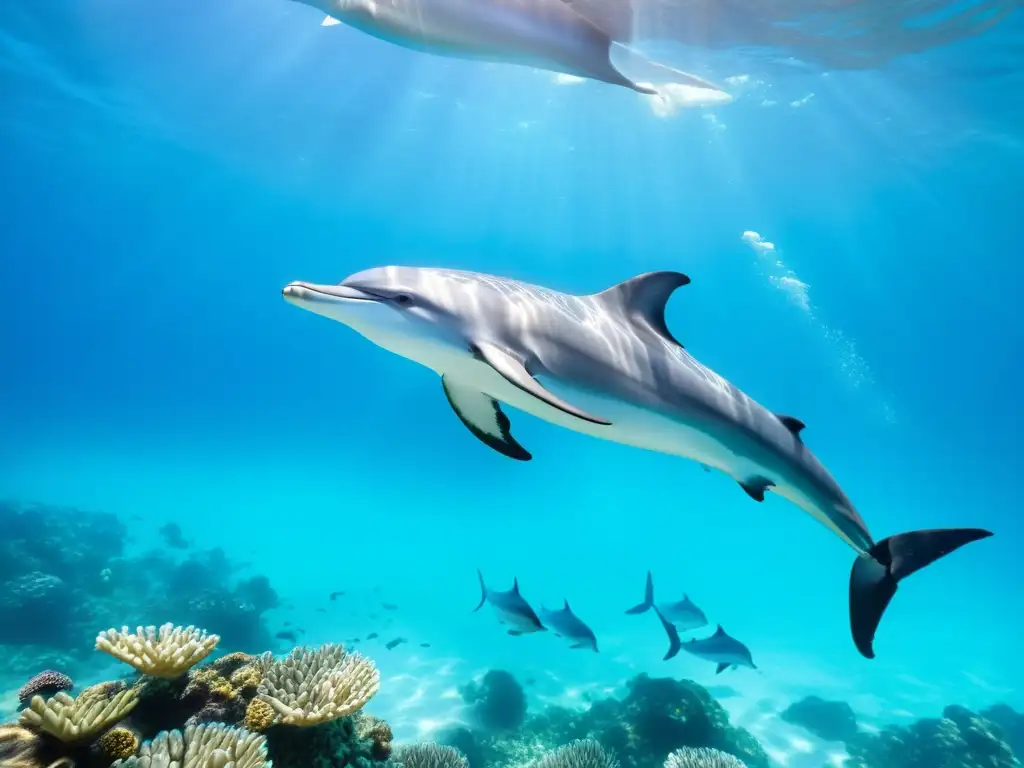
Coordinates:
684 614
511 608
547 34
726 651
567 624
606 365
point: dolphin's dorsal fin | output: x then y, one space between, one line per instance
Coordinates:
643 299
566 608
719 631
515 584
791 423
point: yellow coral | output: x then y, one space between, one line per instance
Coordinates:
167 651
119 743
80 718
248 676
222 691
259 716
311 687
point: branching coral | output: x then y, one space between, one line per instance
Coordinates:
75 719
311 687
585 753
167 651
428 755
202 746
688 757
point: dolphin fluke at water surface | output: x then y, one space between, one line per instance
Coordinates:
547 34
606 365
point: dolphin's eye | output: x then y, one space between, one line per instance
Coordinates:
401 298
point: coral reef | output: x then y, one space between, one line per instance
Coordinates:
585 753
960 739
828 720
45 684
165 652
656 717
312 687
226 713
688 757
497 702
118 743
81 718
429 755
64 573
1012 724
202 746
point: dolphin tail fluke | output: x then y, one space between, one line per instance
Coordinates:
483 591
875 576
648 602
674 643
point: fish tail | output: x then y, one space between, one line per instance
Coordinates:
875 575
648 602
674 643
483 591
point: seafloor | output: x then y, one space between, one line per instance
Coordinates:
208 696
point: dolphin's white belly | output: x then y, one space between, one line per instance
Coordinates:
630 424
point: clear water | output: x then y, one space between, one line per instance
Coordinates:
166 173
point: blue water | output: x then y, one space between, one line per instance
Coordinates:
165 174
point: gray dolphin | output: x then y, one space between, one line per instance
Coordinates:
726 651
567 624
606 365
511 608
548 34
684 614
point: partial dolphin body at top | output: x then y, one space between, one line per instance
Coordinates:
547 34
568 625
511 607
606 365
721 648
684 614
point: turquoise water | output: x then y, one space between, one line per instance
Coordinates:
167 173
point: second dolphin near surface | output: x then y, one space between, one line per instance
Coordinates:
548 34
606 365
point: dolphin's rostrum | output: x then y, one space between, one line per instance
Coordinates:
606 365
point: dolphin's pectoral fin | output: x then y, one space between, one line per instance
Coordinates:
791 423
484 418
574 646
721 668
329 21
643 298
515 373
515 632
755 487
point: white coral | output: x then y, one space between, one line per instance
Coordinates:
167 651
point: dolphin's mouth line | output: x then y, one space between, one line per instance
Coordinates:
350 294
